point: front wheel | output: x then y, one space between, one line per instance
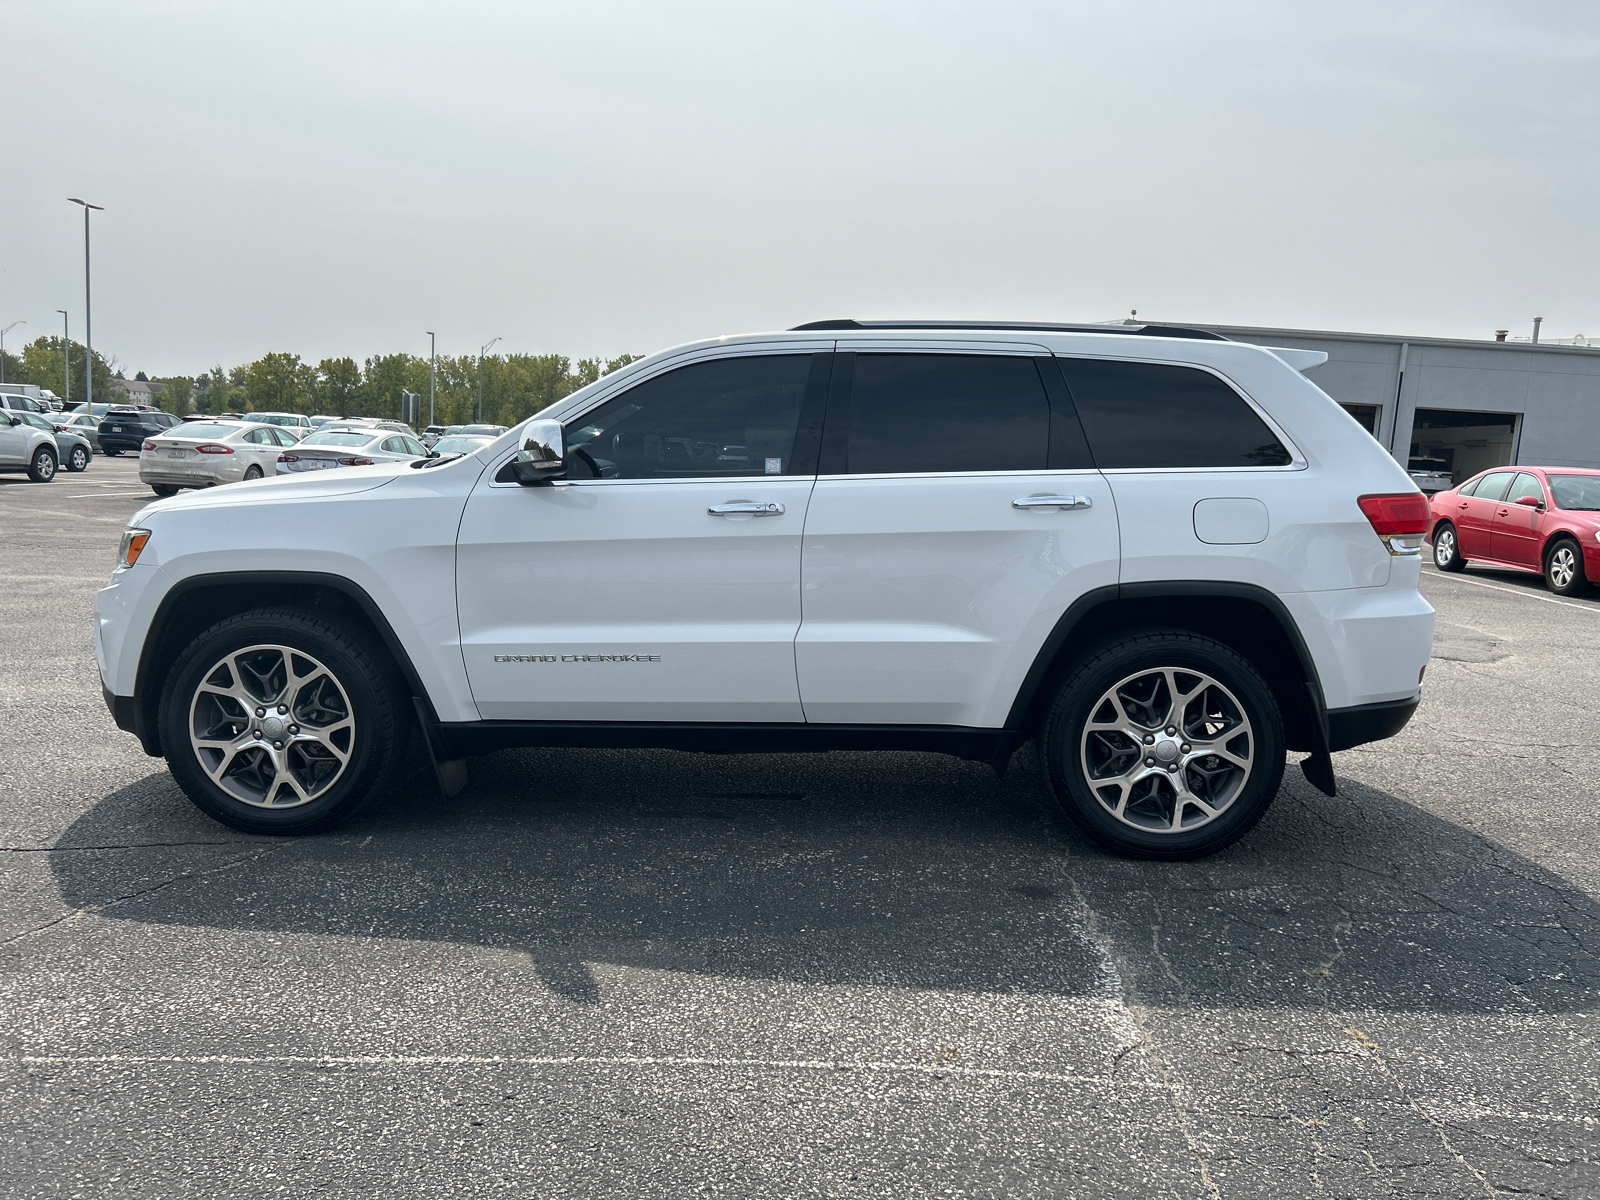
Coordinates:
278 721
78 460
43 467
1446 549
1563 569
1163 744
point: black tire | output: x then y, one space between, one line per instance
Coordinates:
252 472
1447 548
1236 689
1563 568
42 469
110 452
78 460
164 489
366 686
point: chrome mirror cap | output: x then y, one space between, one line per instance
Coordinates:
541 457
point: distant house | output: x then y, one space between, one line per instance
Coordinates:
134 391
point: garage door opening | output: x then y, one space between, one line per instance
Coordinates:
1366 414
1449 446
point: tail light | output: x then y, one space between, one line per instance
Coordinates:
288 458
214 448
355 462
149 446
1399 520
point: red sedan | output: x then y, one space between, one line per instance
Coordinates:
1544 519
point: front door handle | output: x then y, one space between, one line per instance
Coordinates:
1463 504
1052 502
747 508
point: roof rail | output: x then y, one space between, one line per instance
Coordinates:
1172 331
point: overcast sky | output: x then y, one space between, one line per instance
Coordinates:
337 178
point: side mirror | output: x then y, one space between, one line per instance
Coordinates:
542 458
1530 501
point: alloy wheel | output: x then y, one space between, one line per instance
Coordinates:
1444 547
271 726
1563 566
1167 750
79 459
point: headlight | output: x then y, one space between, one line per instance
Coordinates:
133 542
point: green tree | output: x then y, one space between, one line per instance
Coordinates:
338 386
175 395
41 364
278 382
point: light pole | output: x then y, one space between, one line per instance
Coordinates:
88 316
3 333
482 350
431 342
66 362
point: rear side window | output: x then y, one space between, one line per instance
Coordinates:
1493 487
1150 415
947 412
730 416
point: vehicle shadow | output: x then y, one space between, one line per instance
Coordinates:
902 870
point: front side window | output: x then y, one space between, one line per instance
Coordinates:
947 412
1525 485
1151 415
730 416
1494 487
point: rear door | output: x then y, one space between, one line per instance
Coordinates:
1474 516
934 565
1515 535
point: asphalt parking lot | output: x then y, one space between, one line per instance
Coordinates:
654 974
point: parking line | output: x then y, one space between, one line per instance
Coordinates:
103 495
1500 587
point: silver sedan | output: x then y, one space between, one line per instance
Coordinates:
206 453
349 446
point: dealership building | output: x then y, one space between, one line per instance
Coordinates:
1467 405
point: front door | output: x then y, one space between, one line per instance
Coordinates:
1515 534
14 439
661 580
1475 514
935 565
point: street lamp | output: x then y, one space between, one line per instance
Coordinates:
3 333
431 343
482 350
88 317
66 362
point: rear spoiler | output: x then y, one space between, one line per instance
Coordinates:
1300 360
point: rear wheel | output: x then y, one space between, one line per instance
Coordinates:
1563 568
163 489
252 472
277 721
1163 744
1447 549
43 467
78 460
110 451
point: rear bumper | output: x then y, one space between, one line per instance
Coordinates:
1365 723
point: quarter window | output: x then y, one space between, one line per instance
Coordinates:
1150 415
730 416
947 412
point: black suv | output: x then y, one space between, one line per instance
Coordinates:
126 428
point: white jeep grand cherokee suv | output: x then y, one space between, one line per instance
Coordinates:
1167 556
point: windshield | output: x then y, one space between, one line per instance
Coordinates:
1576 491
201 431
335 438
460 445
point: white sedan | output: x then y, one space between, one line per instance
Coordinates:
349 446
199 454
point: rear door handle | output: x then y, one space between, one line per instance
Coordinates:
1052 502
747 508
1463 504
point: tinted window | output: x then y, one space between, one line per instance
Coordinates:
1525 485
1151 415
1493 487
732 416
947 412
